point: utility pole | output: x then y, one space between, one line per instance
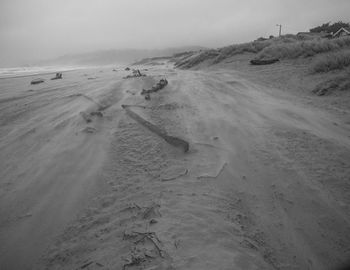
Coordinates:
280 26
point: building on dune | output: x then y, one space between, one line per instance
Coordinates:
342 32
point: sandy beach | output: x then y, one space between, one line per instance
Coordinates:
264 185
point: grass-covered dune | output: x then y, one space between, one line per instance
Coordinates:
328 54
321 62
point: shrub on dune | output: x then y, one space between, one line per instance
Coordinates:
331 61
291 50
196 58
251 47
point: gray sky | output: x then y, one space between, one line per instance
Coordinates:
40 29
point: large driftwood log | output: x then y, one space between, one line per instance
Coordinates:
177 142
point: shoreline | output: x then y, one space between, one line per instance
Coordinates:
59 69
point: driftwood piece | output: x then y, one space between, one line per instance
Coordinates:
160 85
151 211
175 177
90 263
58 76
98 114
135 259
37 81
264 62
135 74
86 265
174 141
145 235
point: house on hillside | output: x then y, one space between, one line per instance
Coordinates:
342 32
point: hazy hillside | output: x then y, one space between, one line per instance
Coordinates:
115 56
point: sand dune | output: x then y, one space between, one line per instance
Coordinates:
264 185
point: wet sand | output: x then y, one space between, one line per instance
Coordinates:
264 185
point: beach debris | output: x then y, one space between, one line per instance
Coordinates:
176 243
174 141
130 92
89 130
58 76
131 207
142 236
160 85
215 176
86 117
264 61
151 211
175 177
127 68
146 248
85 265
135 74
37 81
98 114
135 258
169 106
153 221
247 243
139 106
147 97
321 91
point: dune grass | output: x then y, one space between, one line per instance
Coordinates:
286 47
221 54
296 49
195 58
251 47
331 61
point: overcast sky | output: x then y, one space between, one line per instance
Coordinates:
40 29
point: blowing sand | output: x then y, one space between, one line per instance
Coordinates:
264 185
